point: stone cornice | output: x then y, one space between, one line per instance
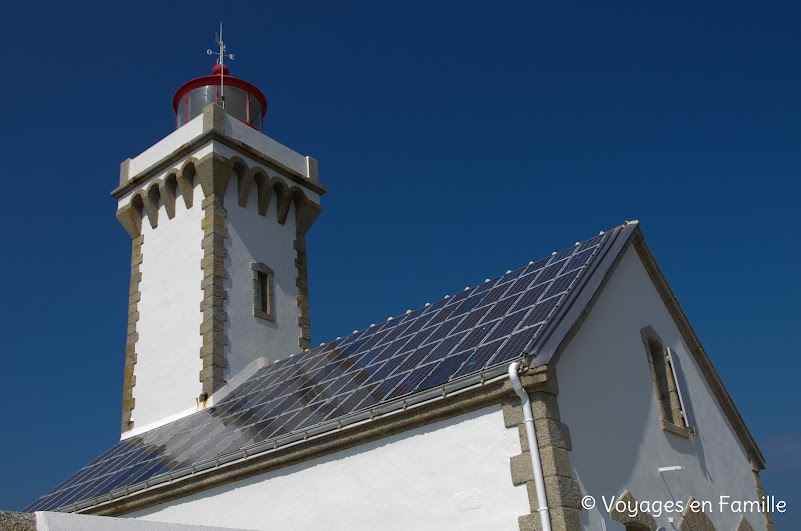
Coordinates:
214 135
146 201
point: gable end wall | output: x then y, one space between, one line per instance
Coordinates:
607 399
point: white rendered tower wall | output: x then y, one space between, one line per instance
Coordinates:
210 208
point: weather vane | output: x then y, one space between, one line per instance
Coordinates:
221 55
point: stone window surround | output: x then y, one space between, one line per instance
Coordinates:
261 271
640 520
694 520
649 337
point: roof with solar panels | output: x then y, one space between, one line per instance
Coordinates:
462 342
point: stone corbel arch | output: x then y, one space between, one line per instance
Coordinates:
300 200
695 520
130 216
305 215
152 199
186 181
640 520
244 180
283 199
264 189
169 189
213 175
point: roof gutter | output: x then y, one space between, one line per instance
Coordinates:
533 449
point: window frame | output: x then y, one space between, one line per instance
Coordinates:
263 287
673 414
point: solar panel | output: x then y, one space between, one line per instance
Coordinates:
459 336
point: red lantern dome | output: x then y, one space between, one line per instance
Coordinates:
240 99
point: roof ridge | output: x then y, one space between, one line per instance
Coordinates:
448 296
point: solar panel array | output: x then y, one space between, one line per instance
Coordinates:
479 328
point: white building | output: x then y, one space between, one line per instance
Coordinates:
229 420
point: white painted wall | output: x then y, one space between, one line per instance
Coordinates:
256 238
168 350
263 143
165 146
607 399
204 150
168 360
453 474
50 521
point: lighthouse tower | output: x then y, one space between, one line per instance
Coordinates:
218 213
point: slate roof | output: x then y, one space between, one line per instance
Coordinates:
450 344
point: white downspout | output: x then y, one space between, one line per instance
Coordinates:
533 449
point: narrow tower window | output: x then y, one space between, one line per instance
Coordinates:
263 291
666 384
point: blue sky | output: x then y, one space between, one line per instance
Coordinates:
457 140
